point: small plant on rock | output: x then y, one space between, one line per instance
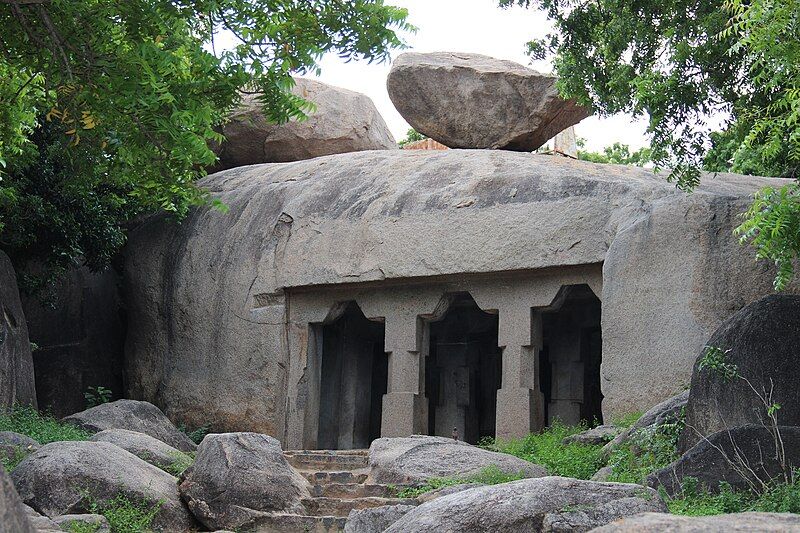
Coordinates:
97 395
196 435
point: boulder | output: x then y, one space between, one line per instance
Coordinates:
240 477
446 491
404 460
594 436
603 474
760 342
17 384
668 411
376 519
133 415
475 101
69 522
40 523
725 523
543 504
144 447
53 479
746 457
12 445
80 336
343 121
13 515
210 325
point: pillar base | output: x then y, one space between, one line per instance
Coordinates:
404 414
518 413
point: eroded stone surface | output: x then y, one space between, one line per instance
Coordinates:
13 444
744 522
376 519
343 121
16 363
13 515
143 446
544 504
473 101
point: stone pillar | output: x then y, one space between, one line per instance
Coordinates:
405 409
519 402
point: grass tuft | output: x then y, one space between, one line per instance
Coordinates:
490 475
42 427
126 515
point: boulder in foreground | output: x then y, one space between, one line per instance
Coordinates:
54 481
144 447
133 415
13 515
475 101
417 458
240 477
726 523
343 121
544 504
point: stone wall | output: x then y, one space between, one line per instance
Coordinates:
16 364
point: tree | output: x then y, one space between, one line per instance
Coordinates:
682 63
119 101
412 135
617 153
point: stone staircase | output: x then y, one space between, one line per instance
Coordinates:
338 485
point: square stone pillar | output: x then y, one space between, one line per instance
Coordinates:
405 410
519 402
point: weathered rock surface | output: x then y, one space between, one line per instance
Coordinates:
603 474
239 477
343 121
13 516
41 523
133 415
594 436
52 481
741 456
761 341
667 411
207 298
143 446
17 384
376 519
99 523
544 504
12 444
80 336
667 523
418 458
447 491
474 101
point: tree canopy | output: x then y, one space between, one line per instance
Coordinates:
686 65
107 109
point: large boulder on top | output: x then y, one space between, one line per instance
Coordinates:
133 415
417 458
544 504
745 457
54 481
208 299
238 478
475 101
145 447
13 516
760 345
16 363
343 121
725 523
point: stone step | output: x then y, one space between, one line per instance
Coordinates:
343 477
292 523
327 461
342 507
352 490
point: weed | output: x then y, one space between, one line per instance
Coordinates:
490 475
125 515
41 427
196 435
777 498
97 395
10 463
626 421
575 460
181 461
83 527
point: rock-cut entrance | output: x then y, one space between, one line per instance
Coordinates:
354 374
463 371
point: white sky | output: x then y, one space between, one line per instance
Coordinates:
478 26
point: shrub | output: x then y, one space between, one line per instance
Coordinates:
96 396
198 434
41 427
575 460
777 498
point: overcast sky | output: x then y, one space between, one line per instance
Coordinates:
470 26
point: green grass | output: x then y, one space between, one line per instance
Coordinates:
491 475
778 498
41 427
628 420
10 463
196 435
181 462
125 515
575 460
83 527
